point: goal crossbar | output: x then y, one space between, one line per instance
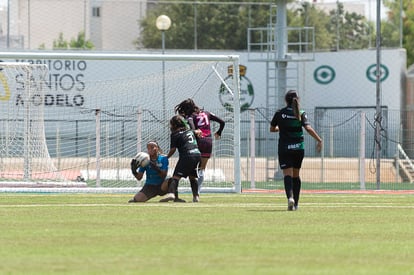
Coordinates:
118 56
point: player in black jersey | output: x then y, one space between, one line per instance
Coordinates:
183 140
199 121
289 121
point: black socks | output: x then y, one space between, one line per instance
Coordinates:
173 186
296 189
288 186
292 187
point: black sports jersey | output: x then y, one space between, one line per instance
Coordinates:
290 129
185 142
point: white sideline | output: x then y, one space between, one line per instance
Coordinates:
102 190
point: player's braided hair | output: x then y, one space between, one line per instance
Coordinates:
186 107
292 100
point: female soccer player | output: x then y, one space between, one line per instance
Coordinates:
156 171
200 121
183 140
289 121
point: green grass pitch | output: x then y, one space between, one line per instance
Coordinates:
223 234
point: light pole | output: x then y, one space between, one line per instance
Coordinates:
163 23
8 25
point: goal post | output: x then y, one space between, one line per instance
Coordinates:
99 109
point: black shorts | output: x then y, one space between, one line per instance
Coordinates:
291 158
187 166
151 190
205 145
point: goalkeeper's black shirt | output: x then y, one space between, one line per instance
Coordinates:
290 129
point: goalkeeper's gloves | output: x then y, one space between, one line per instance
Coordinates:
134 166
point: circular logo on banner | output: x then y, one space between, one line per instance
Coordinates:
246 90
372 73
246 94
324 74
4 88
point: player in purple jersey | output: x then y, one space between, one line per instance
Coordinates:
200 121
183 140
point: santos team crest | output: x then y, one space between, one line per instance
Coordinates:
246 90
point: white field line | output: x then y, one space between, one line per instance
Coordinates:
279 201
303 206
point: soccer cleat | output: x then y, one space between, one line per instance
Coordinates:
132 200
168 197
178 200
291 204
196 198
296 207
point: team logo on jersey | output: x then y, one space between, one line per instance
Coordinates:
246 90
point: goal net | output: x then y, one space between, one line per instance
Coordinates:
81 129
24 156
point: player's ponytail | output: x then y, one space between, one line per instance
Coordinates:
292 100
296 108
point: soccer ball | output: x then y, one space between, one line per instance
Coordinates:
143 159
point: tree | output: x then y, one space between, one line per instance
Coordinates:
308 15
352 31
79 43
224 25
219 26
60 43
390 29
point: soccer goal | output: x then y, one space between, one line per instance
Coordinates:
73 121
